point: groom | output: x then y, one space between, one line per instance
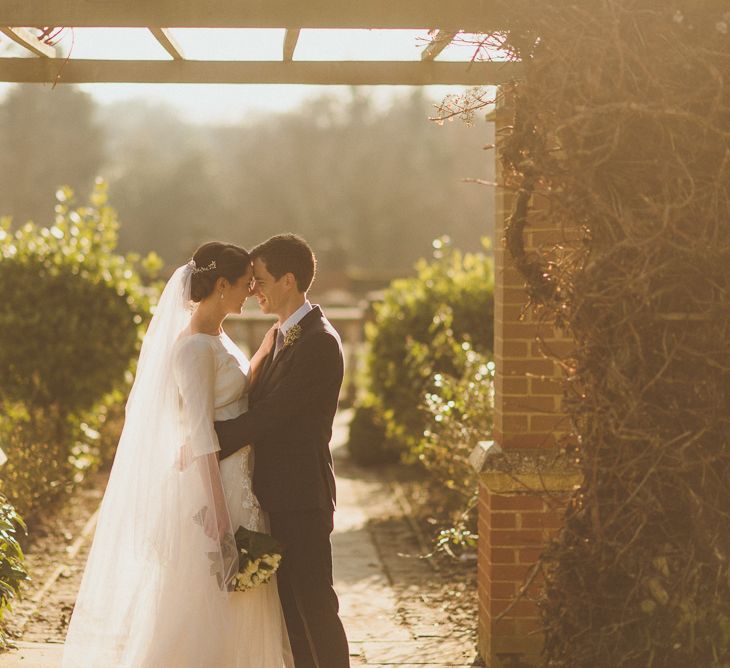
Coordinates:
289 423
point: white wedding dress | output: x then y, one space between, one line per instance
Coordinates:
150 596
216 370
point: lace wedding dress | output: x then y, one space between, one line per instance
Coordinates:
216 373
150 594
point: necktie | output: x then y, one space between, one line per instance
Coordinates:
279 342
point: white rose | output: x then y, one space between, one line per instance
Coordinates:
271 561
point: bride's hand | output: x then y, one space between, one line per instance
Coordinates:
257 361
184 457
215 524
267 345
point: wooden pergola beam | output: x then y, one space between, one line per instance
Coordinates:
349 73
167 41
470 15
290 43
29 41
438 44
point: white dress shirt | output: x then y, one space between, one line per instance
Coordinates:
292 320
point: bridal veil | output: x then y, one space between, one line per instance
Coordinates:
153 593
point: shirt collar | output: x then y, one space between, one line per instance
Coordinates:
295 317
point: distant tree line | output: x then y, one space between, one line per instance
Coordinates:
369 186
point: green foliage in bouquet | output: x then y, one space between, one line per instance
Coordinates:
71 320
12 571
259 556
450 299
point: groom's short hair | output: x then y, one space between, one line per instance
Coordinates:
288 253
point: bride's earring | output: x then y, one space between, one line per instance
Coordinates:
221 295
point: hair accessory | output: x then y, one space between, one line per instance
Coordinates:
198 270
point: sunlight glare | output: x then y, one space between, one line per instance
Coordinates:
112 44
230 44
360 45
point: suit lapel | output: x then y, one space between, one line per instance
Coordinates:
314 315
277 360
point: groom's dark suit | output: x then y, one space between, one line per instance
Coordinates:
289 423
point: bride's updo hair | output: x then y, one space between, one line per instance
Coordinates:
213 260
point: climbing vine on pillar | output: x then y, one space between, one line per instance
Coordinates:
622 129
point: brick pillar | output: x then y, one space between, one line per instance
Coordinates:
522 491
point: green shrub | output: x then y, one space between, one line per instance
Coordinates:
98 432
12 571
71 320
368 443
72 309
451 297
460 410
49 453
37 442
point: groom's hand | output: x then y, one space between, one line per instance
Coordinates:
226 437
229 436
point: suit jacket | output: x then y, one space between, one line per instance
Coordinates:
289 421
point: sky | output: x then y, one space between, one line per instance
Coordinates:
228 104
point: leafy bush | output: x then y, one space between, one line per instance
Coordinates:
460 409
37 444
449 300
71 310
49 452
71 320
368 443
12 571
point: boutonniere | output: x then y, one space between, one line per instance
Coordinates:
295 331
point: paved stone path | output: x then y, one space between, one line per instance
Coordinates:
369 579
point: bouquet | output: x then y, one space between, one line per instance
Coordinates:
259 556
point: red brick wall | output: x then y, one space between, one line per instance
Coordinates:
514 522
512 530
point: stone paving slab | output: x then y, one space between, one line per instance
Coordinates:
416 652
33 655
369 603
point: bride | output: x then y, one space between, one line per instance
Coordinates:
150 595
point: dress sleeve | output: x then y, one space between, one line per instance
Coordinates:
195 375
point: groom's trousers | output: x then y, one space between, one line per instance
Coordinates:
307 596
